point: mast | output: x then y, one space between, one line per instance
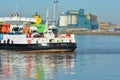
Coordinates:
47 18
56 11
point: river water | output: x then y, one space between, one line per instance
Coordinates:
97 57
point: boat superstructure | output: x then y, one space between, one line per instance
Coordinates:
28 34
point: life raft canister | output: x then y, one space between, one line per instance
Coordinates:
29 41
68 35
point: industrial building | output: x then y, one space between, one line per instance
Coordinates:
93 20
77 18
83 22
68 19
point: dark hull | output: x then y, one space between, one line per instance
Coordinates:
49 47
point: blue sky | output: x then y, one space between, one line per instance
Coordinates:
106 10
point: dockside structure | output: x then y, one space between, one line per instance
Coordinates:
77 18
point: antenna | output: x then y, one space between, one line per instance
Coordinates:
16 13
16 7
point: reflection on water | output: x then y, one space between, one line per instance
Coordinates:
96 58
23 66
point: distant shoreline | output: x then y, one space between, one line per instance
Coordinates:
89 32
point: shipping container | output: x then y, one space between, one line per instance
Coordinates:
26 29
4 28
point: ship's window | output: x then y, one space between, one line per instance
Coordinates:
52 41
55 31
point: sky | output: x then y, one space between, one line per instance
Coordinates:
106 10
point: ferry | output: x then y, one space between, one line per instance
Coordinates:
30 35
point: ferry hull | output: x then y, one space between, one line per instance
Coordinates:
43 47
